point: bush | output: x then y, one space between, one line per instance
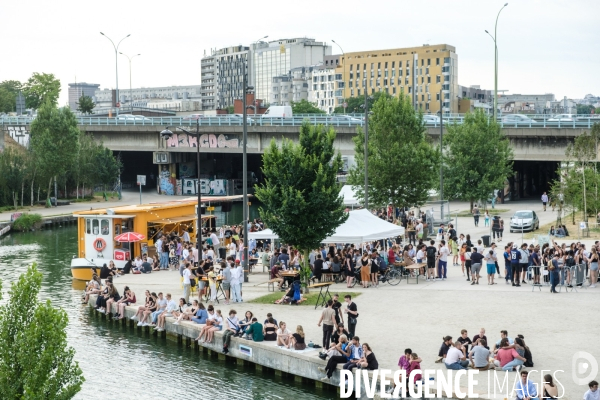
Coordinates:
26 222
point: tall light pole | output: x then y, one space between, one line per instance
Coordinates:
343 72
116 64
366 106
167 134
441 161
130 90
246 217
495 39
254 65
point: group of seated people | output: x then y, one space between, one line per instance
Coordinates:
506 355
350 353
560 231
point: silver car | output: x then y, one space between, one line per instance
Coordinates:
518 119
524 220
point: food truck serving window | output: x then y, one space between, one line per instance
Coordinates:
95 228
88 226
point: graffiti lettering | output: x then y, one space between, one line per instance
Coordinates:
207 140
20 134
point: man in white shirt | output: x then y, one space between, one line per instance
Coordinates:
187 273
186 236
170 307
237 274
195 253
185 253
443 260
420 254
419 229
455 359
215 240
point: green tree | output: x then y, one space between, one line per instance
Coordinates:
12 167
301 197
230 110
304 107
584 109
86 105
107 166
357 104
54 141
8 95
41 88
477 158
402 161
36 361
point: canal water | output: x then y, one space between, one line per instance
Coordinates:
120 362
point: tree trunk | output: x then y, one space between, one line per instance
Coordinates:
38 194
22 192
77 188
15 196
584 199
306 265
32 182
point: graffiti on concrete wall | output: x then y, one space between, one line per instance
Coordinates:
207 140
167 181
19 134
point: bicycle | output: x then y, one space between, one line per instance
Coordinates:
392 275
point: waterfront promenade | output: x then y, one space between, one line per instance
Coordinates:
393 318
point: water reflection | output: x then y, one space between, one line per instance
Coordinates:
120 362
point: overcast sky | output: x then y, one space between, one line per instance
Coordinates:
545 46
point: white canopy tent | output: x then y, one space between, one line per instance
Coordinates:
264 234
349 196
361 226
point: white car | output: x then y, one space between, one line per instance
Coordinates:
518 119
524 220
133 118
432 119
563 118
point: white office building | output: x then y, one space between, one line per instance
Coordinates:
326 88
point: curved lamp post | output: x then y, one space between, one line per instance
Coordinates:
130 90
495 39
116 64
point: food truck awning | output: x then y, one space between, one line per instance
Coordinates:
177 220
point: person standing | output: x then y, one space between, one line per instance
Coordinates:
226 268
431 253
475 213
476 258
544 200
523 262
328 320
187 285
490 261
237 274
352 312
443 260
515 256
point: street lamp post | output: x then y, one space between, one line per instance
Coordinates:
246 217
130 90
254 66
116 64
343 72
495 39
167 134
366 106
441 153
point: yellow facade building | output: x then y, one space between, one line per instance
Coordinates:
419 72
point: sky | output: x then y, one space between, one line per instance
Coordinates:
545 46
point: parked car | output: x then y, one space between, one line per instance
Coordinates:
562 118
518 119
239 118
524 220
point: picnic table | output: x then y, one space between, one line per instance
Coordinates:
415 268
322 295
289 276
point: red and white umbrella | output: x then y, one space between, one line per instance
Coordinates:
128 237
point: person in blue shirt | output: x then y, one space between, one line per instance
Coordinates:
525 389
343 349
507 265
201 315
503 334
515 257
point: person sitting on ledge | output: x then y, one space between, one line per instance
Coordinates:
92 287
201 315
255 331
127 300
338 354
245 323
217 325
335 337
297 339
209 323
233 327
283 335
188 313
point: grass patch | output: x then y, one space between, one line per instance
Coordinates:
573 229
495 211
311 298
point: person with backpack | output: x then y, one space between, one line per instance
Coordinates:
515 257
507 265
431 253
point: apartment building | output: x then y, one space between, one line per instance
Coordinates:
326 87
291 87
422 73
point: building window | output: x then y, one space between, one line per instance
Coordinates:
357 74
385 82
446 60
437 61
410 89
358 92
427 71
447 78
393 73
428 79
407 71
428 61
350 84
400 72
379 65
351 75
427 106
393 89
350 67
386 64
352 92
393 64
437 97
422 97
372 65
437 79
385 73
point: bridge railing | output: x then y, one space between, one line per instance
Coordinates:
534 121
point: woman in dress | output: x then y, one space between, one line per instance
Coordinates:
365 270
297 339
368 362
349 269
270 330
